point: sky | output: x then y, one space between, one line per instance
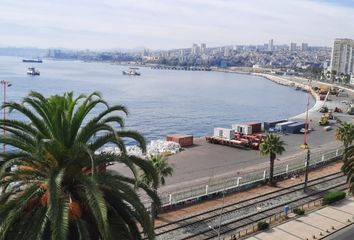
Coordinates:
167 24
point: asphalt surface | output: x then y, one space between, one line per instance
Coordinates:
203 161
346 233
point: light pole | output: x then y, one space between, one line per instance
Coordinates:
5 85
307 169
306 146
222 210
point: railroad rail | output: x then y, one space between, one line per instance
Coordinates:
203 224
263 215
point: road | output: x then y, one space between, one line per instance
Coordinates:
346 233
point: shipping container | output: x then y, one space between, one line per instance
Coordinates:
267 125
241 128
294 128
256 126
183 140
224 133
281 126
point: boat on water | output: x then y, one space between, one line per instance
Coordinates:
38 60
33 72
132 72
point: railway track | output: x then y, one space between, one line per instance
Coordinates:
203 225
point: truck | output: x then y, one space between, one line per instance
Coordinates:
323 121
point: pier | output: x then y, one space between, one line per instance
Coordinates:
163 67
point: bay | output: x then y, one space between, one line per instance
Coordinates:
161 102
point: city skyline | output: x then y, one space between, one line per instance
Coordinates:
169 25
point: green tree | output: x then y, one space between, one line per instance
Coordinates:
348 167
271 145
60 188
163 170
345 134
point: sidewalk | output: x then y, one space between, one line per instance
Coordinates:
315 225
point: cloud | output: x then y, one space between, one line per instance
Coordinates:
172 23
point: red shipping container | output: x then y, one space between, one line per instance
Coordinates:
183 140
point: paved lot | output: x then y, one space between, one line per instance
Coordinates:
319 224
203 161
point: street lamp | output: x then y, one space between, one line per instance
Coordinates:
5 85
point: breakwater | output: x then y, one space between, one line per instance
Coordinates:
193 68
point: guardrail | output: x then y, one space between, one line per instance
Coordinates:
241 181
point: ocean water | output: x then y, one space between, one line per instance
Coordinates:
161 102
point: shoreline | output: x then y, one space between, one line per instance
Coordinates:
291 83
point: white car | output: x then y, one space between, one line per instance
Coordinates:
303 130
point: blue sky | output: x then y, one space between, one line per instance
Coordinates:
164 24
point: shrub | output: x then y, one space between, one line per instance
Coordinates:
331 197
299 211
262 225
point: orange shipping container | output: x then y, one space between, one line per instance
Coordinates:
183 140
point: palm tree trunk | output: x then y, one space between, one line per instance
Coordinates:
153 211
271 169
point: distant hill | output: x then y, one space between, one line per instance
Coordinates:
23 52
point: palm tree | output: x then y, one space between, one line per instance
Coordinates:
271 145
348 167
163 170
60 189
345 134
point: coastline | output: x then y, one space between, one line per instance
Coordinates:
291 83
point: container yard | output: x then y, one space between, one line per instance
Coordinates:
250 135
242 135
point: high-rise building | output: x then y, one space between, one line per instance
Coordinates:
304 47
202 48
226 52
292 47
195 49
271 45
342 57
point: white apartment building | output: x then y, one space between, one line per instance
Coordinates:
195 49
227 51
304 47
292 47
342 58
271 45
202 48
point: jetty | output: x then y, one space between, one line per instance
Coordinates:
193 68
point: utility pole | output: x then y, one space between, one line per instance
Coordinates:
5 85
222 210
307 169
305 145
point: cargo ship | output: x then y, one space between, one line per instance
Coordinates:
38 60
132 72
